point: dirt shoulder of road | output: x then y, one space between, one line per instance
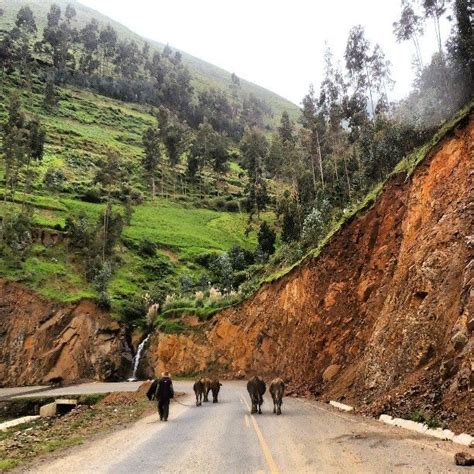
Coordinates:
95 417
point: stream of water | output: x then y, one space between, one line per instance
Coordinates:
136 359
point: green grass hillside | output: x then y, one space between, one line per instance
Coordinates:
181 233
204 74
79 134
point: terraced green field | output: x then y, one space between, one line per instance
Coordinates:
80 132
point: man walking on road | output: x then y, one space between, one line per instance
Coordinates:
162 391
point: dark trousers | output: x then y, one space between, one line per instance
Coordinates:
163 409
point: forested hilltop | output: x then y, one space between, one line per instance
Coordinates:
203 75
130 178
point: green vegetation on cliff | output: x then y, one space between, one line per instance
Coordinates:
159 186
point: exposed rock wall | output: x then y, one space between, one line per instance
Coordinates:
384 315
40 339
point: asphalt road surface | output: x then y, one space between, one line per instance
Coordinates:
308 437
78 389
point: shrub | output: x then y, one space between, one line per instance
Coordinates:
147 248
266 239
158 268
91 400
219 204
54 179
169 326
222 268
161 289
434 422
133 312
232 206
417 416
17 232
187 284
79 231
287 254
240 257
91 195
100 276
202 308
205 259
248 288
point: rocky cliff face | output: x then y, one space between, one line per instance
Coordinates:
40 340
383 317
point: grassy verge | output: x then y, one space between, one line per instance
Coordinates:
203 308
22 444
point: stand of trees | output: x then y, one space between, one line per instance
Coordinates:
22 144
350 136
94 57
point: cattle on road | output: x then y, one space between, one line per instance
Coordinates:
215 387
277 390
256 388
198 388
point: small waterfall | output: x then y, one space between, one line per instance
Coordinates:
136 359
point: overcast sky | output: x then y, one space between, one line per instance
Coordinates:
277 44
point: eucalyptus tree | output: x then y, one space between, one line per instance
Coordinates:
410 28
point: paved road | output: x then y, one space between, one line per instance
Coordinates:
308 438
79 389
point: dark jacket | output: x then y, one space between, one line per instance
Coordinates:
161 389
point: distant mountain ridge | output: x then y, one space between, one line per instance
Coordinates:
204 74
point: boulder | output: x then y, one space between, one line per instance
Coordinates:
459 340
331 372
240 375
470 325
341 406
386 419
464 459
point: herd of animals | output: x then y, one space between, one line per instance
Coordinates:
256 387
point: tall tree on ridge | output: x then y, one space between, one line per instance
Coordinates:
108 176
310 135
25 28
89 36
22 143
59 34
435 9
357 58
14 145
461 43
368 69
410 27
152 157
254 149
107 46
286 128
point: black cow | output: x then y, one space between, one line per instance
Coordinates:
207 388
256 388
215 387
277 390
198 388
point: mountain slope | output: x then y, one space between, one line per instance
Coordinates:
80 131
204 74
382 317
